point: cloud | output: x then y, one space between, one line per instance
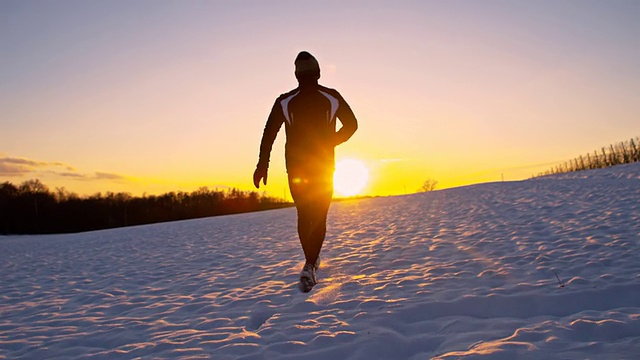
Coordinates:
109 176
20 167
13 166
97 176
70 168
74 175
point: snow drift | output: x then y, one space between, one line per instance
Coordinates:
544 268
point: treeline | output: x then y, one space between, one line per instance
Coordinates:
622 153
31 208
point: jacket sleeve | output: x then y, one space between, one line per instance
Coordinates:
348 120
271 129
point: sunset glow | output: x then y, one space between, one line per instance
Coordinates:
153 97
350 177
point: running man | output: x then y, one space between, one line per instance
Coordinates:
309 115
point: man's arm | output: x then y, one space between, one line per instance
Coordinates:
348 120
271 129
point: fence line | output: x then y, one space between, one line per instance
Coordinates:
625 152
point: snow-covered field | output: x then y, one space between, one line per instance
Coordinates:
465 273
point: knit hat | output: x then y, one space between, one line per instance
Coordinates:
307 65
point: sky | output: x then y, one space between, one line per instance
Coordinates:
158 96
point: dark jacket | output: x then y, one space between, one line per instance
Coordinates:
309 114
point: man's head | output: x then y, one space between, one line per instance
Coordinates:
307 67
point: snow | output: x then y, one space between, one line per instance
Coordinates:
539 269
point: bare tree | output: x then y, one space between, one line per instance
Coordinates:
429 185
632 150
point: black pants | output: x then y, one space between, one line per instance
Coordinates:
312 196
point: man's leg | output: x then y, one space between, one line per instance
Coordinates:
305 227
312 199
318 226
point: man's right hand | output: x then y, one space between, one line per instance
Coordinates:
259 174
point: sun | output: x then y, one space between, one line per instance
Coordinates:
350 177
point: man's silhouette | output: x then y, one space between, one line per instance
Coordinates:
309 114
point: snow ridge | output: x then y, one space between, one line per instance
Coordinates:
543 268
